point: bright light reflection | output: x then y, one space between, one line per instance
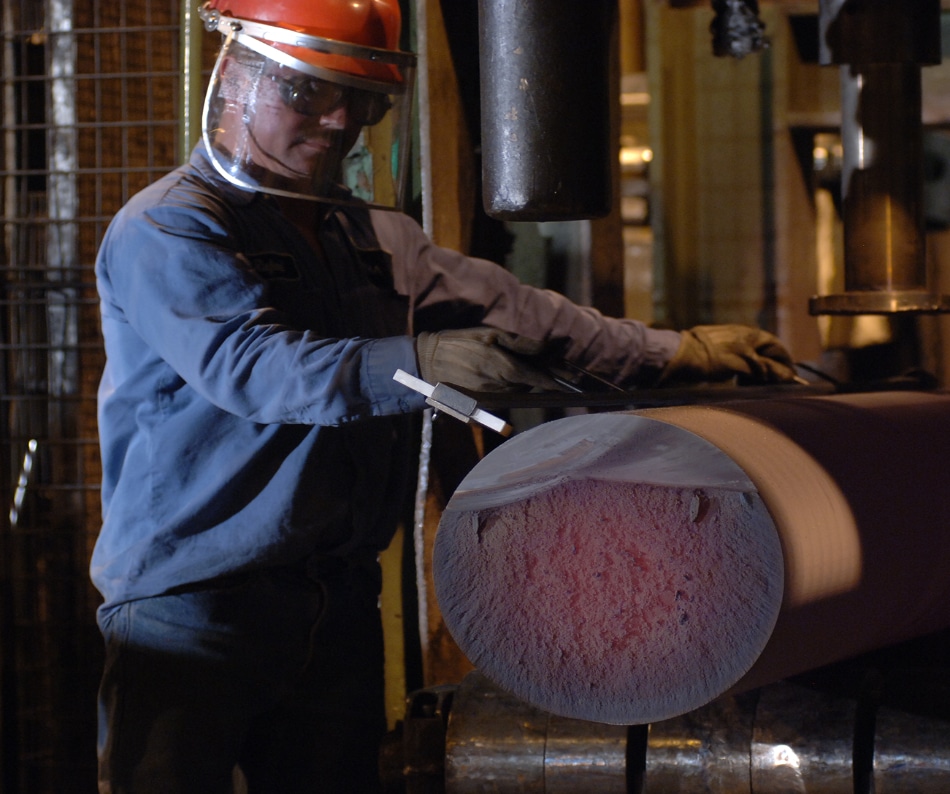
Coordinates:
634 98
783 755
635 155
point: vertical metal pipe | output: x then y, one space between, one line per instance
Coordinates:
8 694
192 97
880 47
882 177
62 249
545 124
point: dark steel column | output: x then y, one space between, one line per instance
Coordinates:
881 47
545 94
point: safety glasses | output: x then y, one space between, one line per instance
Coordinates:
312 97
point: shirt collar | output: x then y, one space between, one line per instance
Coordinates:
201 161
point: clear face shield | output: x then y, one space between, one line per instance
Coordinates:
307 117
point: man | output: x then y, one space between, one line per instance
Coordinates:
254 443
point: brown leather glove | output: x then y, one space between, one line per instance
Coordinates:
482 359
719 352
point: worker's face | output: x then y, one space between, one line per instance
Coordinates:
296 138
276 129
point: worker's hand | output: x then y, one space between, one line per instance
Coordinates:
482 359
719 352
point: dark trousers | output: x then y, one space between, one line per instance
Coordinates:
279 673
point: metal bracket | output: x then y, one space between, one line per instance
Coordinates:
453 402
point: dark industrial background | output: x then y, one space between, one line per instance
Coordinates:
89 116
723 210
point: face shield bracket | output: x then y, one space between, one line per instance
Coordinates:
263 33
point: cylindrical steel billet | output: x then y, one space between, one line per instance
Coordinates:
876 561
705 751
791 738
784 737
496 742
803 740
545 112
493 736
910 753
609 567
584 756
630 567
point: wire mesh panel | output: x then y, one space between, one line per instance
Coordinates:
88 112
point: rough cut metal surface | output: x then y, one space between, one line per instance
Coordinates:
631 567
591 593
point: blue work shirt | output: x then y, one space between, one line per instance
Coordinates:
248 415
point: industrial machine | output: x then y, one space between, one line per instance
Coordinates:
779 624
868 726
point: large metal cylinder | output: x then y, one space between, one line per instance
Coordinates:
630 567
545 108
495 742
882 178
786 737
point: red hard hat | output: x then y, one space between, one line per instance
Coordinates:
368 23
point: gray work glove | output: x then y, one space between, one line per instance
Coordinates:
482 359
719 352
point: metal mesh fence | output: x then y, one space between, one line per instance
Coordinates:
88 111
